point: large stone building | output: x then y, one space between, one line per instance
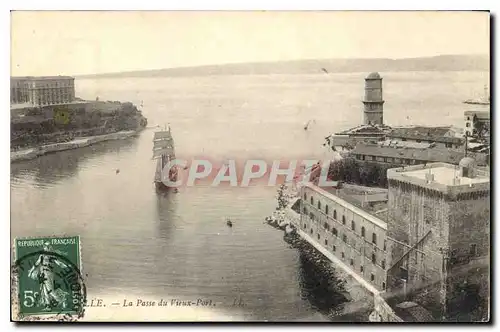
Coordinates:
439 226
347 225
42 90
424 240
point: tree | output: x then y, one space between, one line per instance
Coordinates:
480 128
282 197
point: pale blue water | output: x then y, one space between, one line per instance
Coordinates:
136 242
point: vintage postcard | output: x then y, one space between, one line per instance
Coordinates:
306 166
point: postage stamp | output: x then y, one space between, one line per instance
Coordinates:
47 278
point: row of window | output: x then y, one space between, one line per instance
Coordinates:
361 269
327 226
389 159
53 84
344 239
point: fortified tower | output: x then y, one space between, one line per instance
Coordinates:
439 223
373 101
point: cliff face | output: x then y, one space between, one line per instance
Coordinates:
32 126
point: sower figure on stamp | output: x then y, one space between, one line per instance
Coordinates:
43 271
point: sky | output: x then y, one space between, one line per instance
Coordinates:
73 43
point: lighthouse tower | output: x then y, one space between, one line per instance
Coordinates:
373 102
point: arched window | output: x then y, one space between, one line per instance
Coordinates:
326 209
343 219
319 205
344 238
334 231
311 230
353 225
305 197
319 236
326 242
374 238
335 214
374 259
311 215
383 264
312 200
363 231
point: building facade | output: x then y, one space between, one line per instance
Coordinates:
42 90
438 223
474 119
442 137
350 233
406 155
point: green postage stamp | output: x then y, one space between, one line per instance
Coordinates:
47 278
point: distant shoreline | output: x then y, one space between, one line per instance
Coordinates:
477 63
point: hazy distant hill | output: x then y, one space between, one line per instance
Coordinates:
436 63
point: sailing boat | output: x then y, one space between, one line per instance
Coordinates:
308 123
164 152
484 101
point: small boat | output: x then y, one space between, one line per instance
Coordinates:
229 222
117 171
307 125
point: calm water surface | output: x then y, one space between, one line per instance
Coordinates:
136 243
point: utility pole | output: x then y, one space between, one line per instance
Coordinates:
466 141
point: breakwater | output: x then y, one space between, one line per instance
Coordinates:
31 153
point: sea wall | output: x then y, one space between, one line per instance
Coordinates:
36 126
31 153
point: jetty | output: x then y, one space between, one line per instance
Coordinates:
31 153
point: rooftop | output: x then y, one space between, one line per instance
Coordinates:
367 129
373 76
369 199
441 176
376 201
445 175
438 134
434 154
